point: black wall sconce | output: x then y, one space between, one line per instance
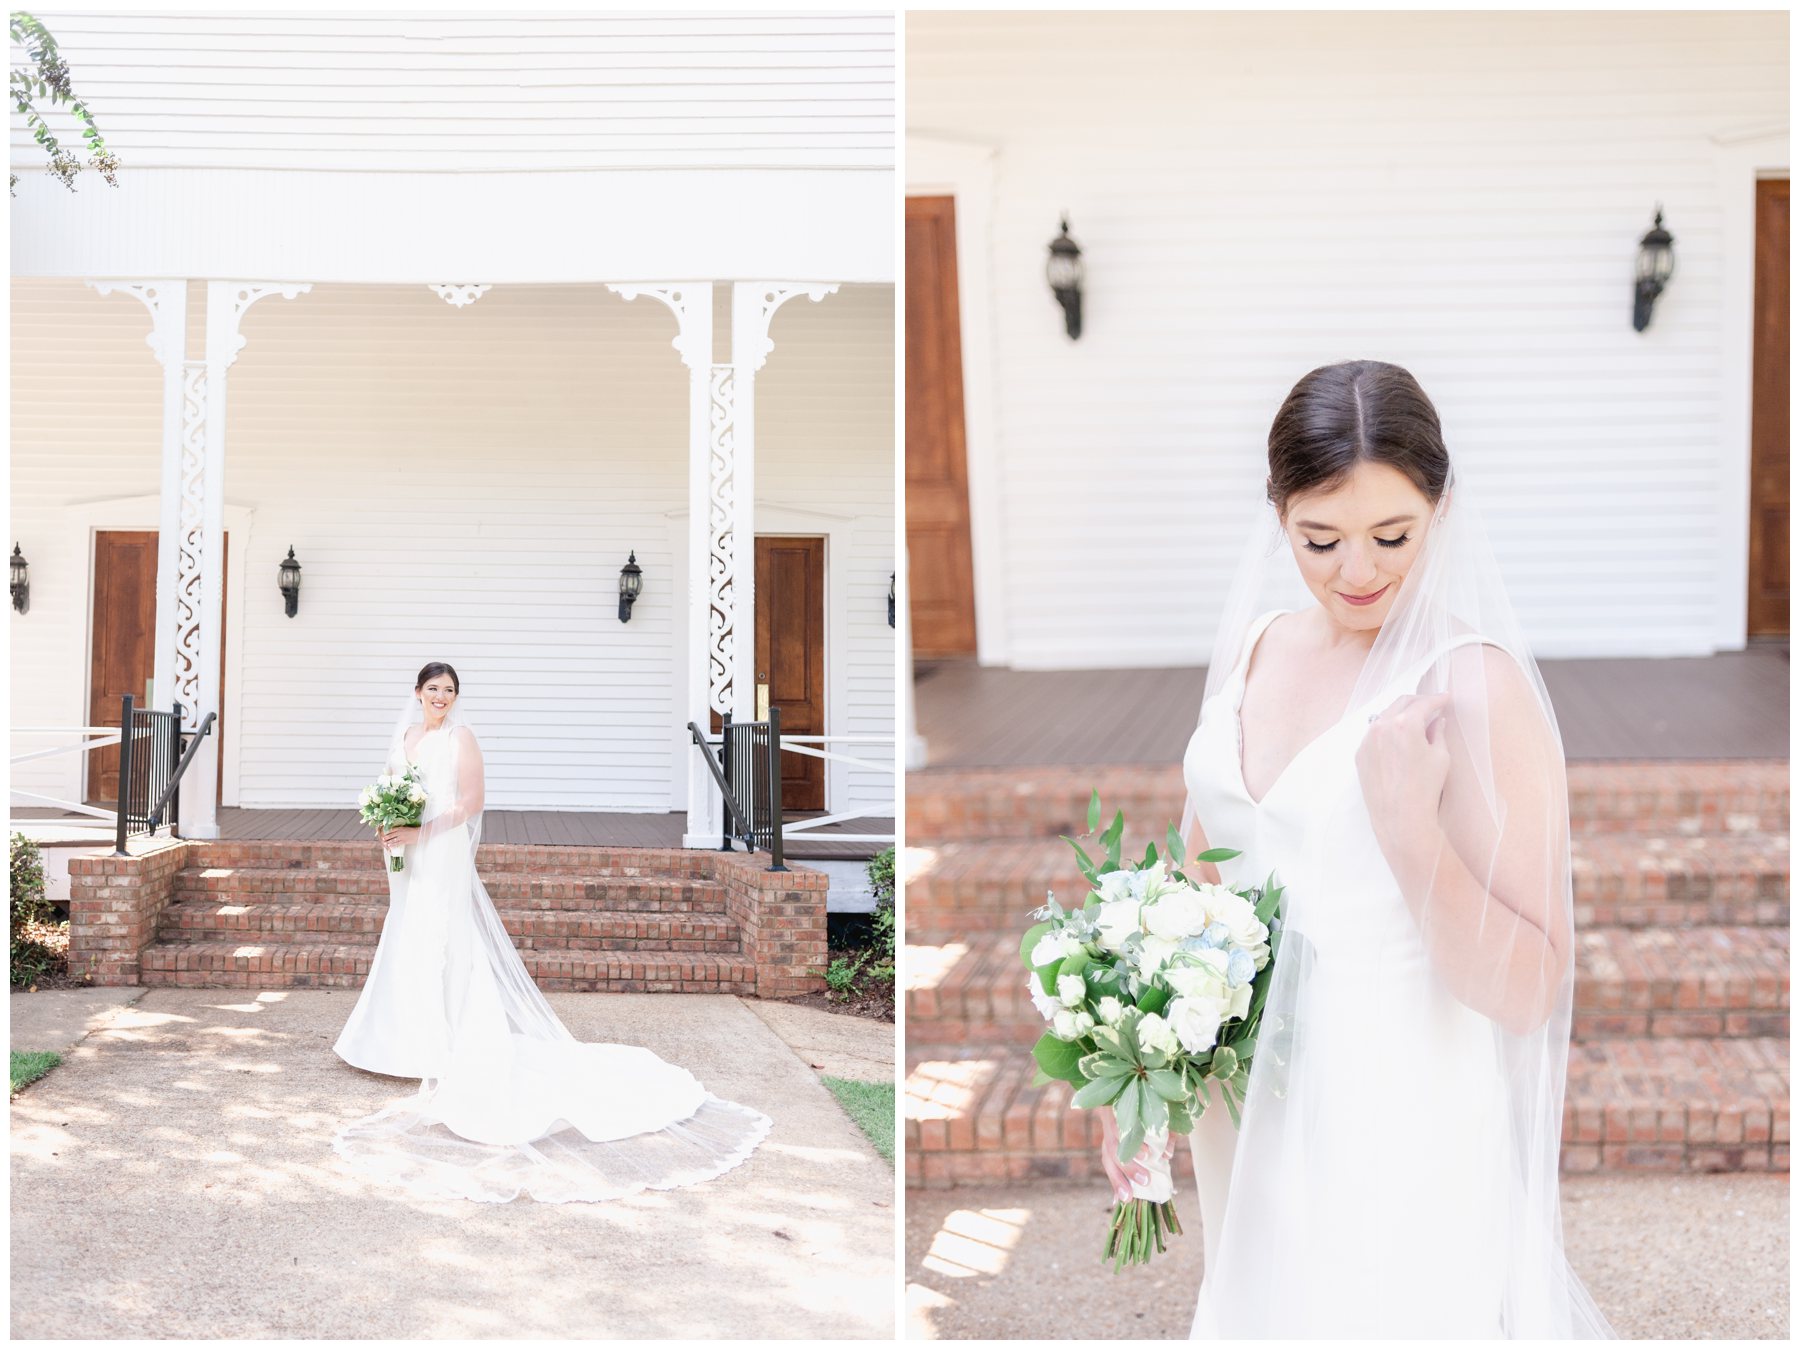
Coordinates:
288 578
1655 265
631 585
891 578
21 581
1065 273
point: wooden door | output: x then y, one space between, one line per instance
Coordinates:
123 647
1768 608
941 574
790 654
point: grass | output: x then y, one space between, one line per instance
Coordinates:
30 1065
871 1106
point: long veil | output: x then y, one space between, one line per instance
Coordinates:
511 1102
1460 1008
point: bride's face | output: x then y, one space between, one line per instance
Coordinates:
1355 541
437 695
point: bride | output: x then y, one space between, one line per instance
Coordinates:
1376 734
510 1103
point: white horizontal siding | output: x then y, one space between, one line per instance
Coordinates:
1259 194
481 92
458 484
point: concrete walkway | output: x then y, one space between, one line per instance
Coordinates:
1665 1257
174 1178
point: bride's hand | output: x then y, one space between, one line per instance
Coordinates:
1403 763
399 836
1123 1174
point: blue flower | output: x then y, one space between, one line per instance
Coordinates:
1215 936
1239 967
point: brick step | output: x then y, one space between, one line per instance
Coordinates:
544 890
969 989
1635 797
343 965
1634 1105
1620 879
545 929
365 855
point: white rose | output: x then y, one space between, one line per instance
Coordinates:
1053 946
1196 1022
1111 1010
1179 914
1150 882
1072 990
1240 1001
1154 1033
1047 1007
1117 886
1156 954
1200 974
1117 920
1239 917
416 795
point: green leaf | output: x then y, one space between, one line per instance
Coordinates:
1109 1039
1154 999
1076 964
1085 863
1149 857
1111 839
1058 1058
1100 1064
1039 1078
1167 1085
1129 1110
1047 975
1217 855
1177 853
1181 1120
1224 1062
1100 1091
1094 811
1154 1110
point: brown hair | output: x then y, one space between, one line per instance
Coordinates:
1352 413
433 670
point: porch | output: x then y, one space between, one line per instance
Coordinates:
1730 706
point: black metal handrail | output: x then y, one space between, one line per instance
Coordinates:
748 774
151 765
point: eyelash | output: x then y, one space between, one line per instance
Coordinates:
1385 543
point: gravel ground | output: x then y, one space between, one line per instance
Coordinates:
175 1179
1666 1257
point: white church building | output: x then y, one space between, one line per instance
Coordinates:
471 316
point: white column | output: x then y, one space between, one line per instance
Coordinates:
199 582
167 302
753 305
705 687
915 743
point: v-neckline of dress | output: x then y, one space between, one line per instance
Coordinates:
1237 718
408 757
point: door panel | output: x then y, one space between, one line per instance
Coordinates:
123 646
1768 600
790 654
941 575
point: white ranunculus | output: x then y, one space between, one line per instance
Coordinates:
1053 946
1117 920
1111 1010
1047 1007
1177 915
1196 1022
1072 990
1117 885
1154 1033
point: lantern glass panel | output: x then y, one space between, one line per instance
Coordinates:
1064 271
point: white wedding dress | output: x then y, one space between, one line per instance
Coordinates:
1395 1225
510 1103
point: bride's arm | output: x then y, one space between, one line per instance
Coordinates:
1488 886
470 788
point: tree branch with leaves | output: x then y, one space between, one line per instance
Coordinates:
44 82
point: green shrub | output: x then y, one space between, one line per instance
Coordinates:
881 876
841 975
40 945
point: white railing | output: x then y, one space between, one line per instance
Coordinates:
95 738
814 748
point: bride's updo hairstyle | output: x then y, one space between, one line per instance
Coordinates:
433 670
1351 413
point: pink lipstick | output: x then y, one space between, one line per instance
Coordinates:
1363 599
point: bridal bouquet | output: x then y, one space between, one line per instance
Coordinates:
394 799
1153 990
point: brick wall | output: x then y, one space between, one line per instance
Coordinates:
781 916
114 904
